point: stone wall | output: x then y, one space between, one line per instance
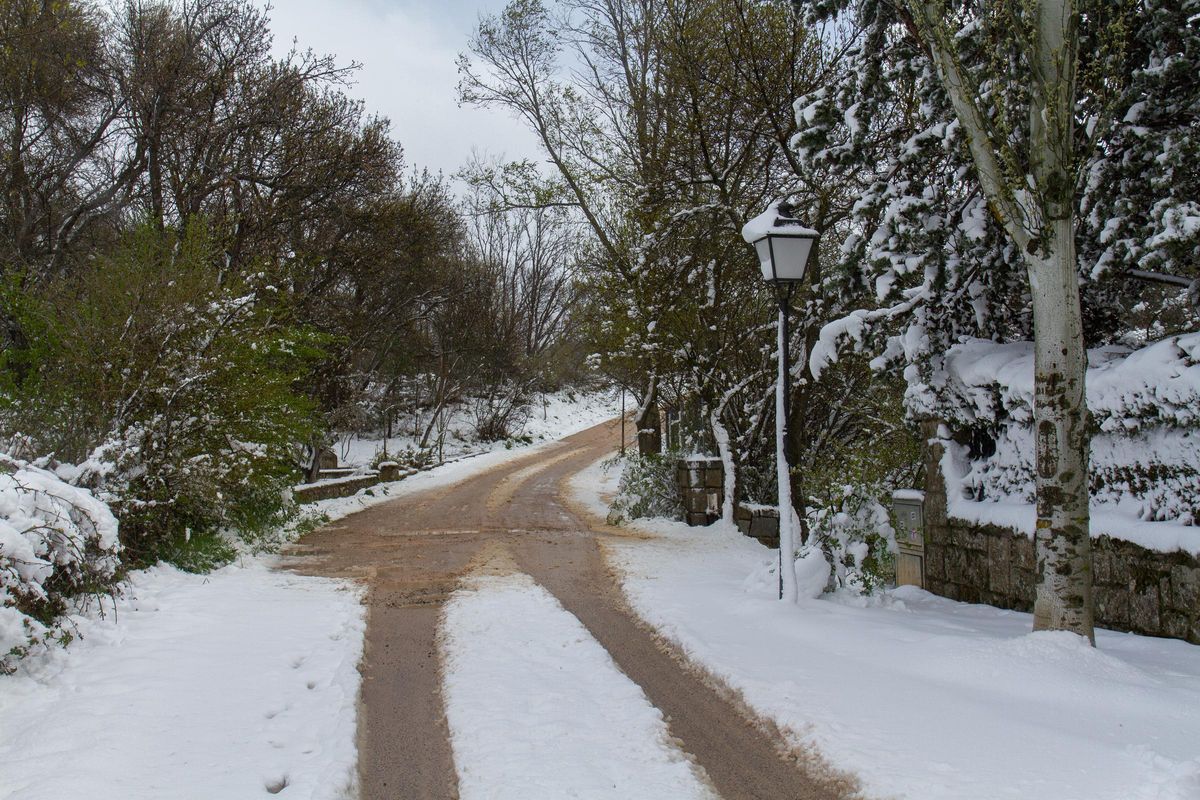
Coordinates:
389 471
702 490
1135 589
701 487
312 492
759 522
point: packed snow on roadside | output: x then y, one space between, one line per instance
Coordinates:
230 685
549 417
920 696
537 708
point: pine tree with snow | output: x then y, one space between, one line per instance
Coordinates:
1018 164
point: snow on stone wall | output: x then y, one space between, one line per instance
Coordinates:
1145 458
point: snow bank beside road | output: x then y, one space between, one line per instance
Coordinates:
229 685
539 711
551 416
920 696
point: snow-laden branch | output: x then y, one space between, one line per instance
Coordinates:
854 326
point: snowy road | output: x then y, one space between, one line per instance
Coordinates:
513 654
552 688
512 646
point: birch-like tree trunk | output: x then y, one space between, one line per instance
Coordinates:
1039 216
1064 592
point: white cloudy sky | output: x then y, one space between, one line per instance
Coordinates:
407 49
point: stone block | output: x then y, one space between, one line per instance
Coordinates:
975 569
935 562
327 459
1185 589
1112 607
770 542
1175 624
955 564
999 550
999 574
1024 553
970 594
937 534
764 526
1121 569
714 478
934 508
1102 568
1022 587
973 539
1144 611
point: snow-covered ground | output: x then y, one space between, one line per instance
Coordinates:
235 684
921 696
551 416
231 685
538 709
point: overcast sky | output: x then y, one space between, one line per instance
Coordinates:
407 49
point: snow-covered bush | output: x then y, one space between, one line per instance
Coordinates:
648 488
848 480
1145 408
856 534
173 388
56 541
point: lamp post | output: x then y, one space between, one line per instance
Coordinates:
783 245
622 420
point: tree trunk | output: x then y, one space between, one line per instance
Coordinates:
729 471
312 472
1042 225
1064 558
649 429
1064 546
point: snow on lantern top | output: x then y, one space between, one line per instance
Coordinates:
782 241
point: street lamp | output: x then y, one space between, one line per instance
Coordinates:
783 245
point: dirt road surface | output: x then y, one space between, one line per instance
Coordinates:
411 553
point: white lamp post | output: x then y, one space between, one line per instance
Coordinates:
783 245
